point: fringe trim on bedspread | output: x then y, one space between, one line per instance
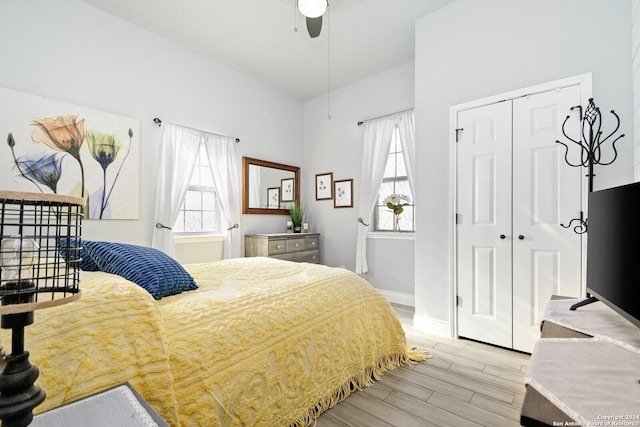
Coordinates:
366 379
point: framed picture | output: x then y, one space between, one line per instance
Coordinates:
286 190
68 149
273 198
343 193
324 186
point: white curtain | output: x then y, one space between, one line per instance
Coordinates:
221 151
407 129
180 147
377 141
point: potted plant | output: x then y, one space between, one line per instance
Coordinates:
297 216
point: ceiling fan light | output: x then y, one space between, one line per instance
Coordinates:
312 8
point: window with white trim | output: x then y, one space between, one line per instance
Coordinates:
395 181
200 212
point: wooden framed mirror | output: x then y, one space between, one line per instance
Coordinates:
268 187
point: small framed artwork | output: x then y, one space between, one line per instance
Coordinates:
286 190
273 198
343 193
324 186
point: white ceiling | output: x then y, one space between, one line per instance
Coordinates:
257 37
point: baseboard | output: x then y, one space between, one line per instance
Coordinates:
399 297
432 326
423 323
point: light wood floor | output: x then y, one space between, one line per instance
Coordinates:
465 383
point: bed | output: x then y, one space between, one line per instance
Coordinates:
250 342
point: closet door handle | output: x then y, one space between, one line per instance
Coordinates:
502 236
521 237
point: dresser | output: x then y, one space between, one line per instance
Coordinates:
298 247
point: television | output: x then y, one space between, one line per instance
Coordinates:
613 249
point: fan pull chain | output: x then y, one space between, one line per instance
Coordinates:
328 61
295 16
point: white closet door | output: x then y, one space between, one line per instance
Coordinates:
484 215
546 192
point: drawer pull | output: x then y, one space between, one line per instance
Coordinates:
297 245
278 246
313 257
313 243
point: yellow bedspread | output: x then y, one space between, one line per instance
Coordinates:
262 342
113 334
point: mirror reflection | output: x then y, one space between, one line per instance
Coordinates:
268 187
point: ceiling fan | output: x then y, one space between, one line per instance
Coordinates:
313 11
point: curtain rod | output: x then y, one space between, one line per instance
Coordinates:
361 122
159 123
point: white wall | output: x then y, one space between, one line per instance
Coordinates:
470 50
72 52
336 146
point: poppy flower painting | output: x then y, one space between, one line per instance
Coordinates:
60 148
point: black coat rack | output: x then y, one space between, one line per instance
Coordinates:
590 149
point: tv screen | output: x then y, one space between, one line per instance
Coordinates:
613 249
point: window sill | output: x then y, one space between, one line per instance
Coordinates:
198 238
391 235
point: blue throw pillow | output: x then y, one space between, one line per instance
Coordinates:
150 268
69 251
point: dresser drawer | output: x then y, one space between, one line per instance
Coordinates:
312 243
304 256
278 246
296 245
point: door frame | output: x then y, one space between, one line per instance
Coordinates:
585 83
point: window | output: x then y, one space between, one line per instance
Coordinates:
395 180
200 212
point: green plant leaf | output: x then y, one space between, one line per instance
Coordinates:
296 213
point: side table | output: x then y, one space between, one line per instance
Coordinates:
120 406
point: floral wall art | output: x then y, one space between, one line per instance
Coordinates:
55 147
